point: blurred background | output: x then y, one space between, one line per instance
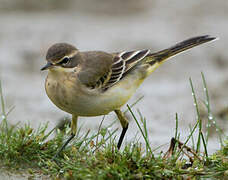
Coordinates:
29 27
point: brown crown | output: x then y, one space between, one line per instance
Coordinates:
58 51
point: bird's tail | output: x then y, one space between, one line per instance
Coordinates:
161 56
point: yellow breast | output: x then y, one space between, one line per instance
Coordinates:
71 96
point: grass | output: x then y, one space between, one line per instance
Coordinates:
95 156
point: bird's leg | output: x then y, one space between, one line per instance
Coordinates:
73 132
124 124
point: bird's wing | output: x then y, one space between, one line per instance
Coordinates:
102 70
95 68
122 63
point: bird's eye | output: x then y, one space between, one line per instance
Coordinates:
65 61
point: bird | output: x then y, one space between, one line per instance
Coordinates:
94 83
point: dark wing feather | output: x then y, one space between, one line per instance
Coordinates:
122 63
95 69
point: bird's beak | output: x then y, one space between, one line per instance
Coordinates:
47 66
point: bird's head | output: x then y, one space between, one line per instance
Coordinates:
61 56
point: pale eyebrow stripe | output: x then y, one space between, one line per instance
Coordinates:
70 56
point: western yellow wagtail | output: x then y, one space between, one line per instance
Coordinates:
95 83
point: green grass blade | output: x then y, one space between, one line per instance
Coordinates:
2 100
211 118
134 103
193 141
204 145
188 138
198 116
176 129
146 140
143 120
3 115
